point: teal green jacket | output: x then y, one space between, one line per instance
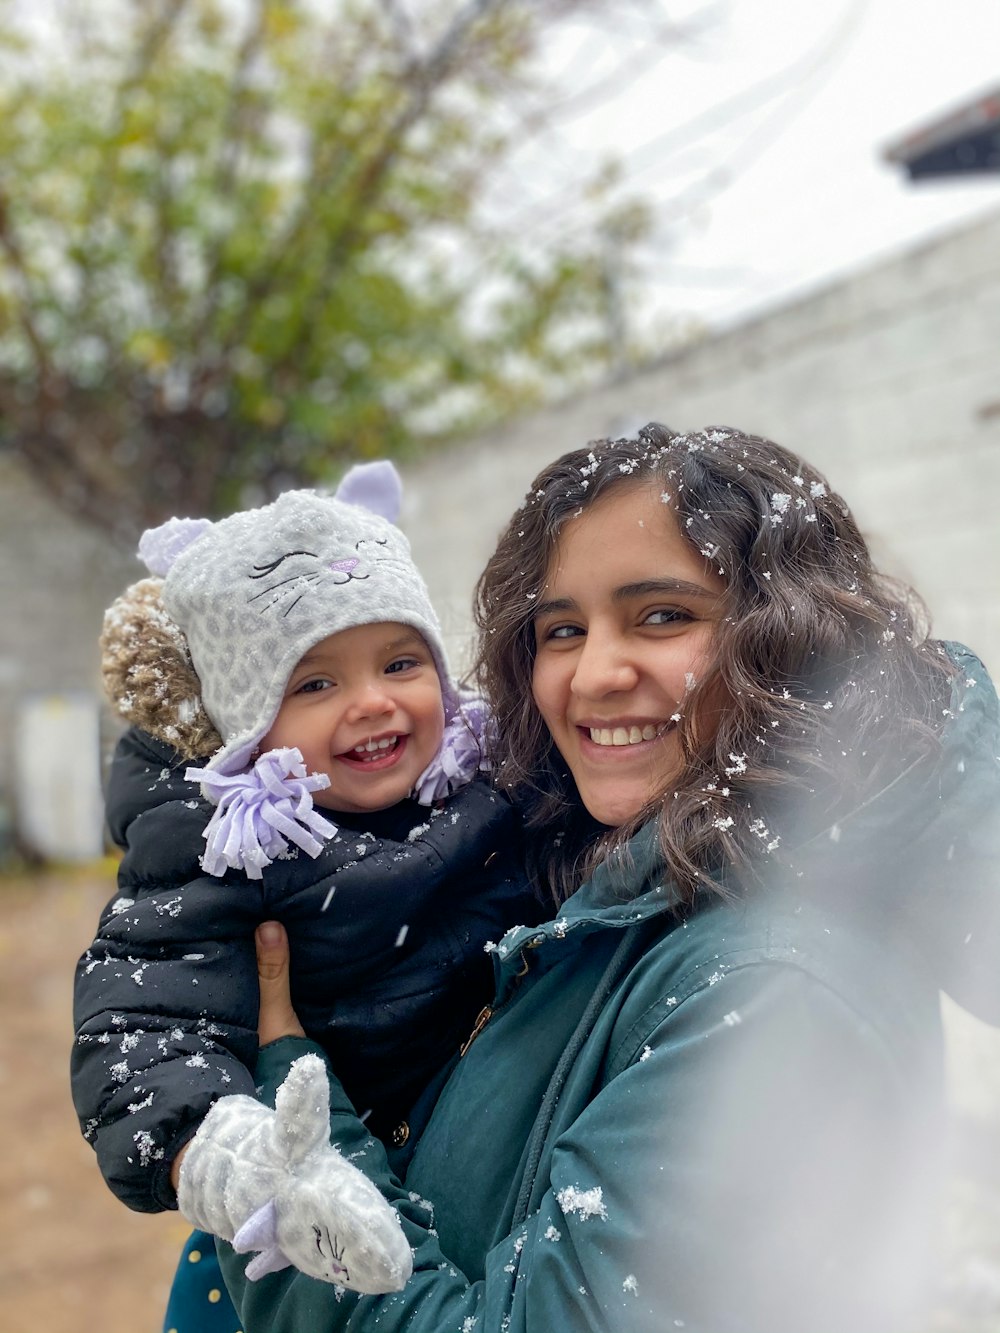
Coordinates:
726 1122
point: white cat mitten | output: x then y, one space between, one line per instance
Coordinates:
271 1181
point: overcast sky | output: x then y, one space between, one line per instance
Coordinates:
758 140
788 106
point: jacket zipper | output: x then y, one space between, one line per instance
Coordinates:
482 1018
487 1011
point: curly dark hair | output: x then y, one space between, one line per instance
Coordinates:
834 688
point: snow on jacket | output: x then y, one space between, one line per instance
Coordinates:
718 1123
387 928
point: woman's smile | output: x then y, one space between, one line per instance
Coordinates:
620 735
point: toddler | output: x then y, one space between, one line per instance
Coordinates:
294 646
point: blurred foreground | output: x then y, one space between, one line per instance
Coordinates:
74 1258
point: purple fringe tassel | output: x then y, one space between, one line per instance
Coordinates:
461 754
260 811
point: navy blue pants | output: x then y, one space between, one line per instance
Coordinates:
199 1302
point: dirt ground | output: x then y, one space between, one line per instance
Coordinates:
72 1258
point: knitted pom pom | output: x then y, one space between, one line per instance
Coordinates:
461 754
260 811
148 676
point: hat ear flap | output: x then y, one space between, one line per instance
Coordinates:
160 547
373 486
148 676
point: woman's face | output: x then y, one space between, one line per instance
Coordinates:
623 628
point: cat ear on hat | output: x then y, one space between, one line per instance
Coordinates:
373 486
160 547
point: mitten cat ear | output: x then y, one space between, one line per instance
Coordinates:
260 1232
302 1104
160 547
374 486
148 676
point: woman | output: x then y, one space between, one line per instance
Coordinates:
706 1095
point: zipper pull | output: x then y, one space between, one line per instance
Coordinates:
482 1018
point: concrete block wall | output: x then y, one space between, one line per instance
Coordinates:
56 577
888 382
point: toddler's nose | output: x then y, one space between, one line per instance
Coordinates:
370 700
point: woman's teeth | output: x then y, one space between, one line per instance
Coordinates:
624 735
372 749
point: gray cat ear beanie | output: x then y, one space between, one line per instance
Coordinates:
255 591
252 593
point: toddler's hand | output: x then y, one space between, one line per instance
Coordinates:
271 1181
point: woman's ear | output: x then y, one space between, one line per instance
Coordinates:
148 676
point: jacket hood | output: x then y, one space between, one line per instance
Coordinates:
927 848
918 864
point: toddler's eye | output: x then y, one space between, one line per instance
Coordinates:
314 686
402 664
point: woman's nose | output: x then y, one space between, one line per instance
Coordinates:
603 667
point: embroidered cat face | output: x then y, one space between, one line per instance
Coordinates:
287 577
255 591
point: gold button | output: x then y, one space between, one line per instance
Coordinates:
400 1134
215 1295
194 1256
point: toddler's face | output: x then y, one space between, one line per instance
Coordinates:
364 707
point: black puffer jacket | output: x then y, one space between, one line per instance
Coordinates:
387 929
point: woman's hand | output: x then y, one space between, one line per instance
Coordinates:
277 1017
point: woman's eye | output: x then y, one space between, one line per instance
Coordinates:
562 632
667 616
